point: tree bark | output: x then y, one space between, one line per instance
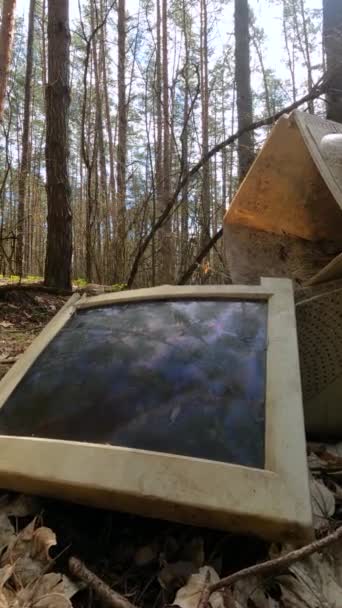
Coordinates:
205 206
243 85
59 237
332 40
122 143
108 124
166 234
185 145
6 38
25 140
158 207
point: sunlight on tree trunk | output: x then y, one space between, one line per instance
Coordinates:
6 36
25 141
59 237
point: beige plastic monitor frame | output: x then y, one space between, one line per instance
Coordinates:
273 502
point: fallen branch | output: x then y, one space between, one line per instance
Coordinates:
101 589
316 91
274 566
9 361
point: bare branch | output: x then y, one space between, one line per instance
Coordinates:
316 91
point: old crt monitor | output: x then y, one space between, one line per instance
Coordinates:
181 403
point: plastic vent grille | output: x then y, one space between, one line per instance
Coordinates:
319 326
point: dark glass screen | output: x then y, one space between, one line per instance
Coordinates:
184 377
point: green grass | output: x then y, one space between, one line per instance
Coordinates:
15 278
80 282
119 286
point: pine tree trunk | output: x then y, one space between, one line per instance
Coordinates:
185 149
122 142
25 141
159 143
243 85
102 198
6 37
108 122
166 235
205 194
332 38
59 237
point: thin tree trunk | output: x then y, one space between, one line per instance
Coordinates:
122 143
290 61
159 147
243 85
332 39
205 194
103 194
166 236
25 141
59 237
6 38
303 41
108 123
185 149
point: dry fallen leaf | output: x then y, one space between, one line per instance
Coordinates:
173 576
46 592
323 503
7 532
20 505
29 551
312 583
6 324
250 592
42 541
189 595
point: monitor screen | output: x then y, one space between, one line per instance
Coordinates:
184 376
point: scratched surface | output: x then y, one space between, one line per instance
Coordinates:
184 377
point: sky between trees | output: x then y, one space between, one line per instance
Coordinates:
150 96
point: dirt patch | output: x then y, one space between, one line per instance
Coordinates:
23 314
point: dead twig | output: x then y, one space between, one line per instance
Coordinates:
9 361
101 589
202 254
274 566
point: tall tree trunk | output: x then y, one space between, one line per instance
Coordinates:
158 207
185 148
25 140
102 194
306 54
108 123
243 85
6 37
122 142
332 38
205 193
59 237
166 236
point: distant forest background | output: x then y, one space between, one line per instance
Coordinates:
125 133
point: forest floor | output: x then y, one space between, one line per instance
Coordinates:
148 560
23 314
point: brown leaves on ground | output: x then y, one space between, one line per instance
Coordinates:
24 564
23 314
189 596
315 582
